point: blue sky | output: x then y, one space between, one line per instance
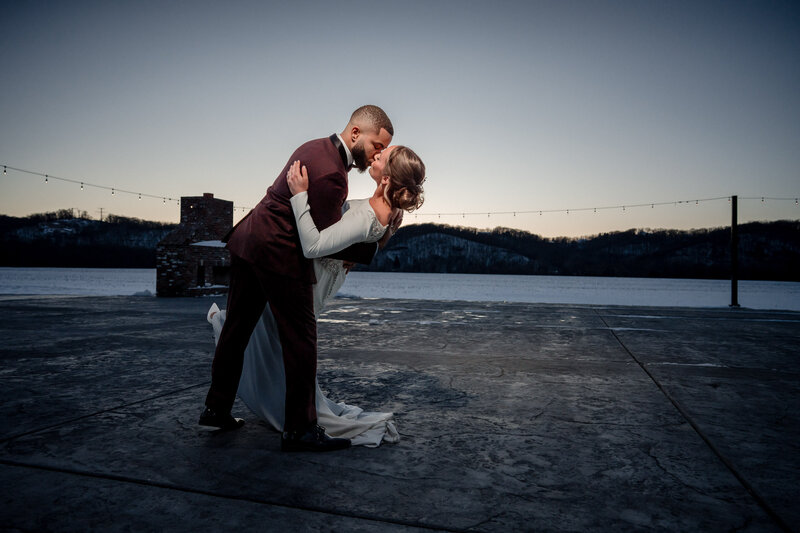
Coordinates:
514 106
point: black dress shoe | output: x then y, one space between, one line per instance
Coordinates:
313 440
215 420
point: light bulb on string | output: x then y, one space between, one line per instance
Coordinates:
112 192
4 170
45 178
140 196
81 185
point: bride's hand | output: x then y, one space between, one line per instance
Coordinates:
297 178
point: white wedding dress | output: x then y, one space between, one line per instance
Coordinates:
262 386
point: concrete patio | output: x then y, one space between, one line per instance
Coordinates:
513 417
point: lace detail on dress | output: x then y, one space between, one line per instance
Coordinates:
330 278
331 265
376 231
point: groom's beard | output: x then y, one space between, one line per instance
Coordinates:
359 157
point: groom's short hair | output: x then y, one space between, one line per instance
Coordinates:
374 116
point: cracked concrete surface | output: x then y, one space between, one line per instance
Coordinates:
512 417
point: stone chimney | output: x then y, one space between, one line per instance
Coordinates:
209 218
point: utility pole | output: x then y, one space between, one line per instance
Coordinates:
734 252
101 214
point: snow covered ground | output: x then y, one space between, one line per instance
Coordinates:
78 281
573 290
473 287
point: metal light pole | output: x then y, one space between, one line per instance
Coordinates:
734 252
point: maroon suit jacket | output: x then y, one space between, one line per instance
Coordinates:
267 237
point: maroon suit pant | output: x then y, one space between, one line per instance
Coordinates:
292 305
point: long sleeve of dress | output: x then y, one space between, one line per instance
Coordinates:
353 227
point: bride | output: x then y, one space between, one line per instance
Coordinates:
398 174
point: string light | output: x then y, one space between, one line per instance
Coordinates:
463 214
84 184
569 211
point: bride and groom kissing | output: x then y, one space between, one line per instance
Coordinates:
289 256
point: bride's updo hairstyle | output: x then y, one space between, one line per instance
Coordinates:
406 173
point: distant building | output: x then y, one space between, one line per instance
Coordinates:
192 260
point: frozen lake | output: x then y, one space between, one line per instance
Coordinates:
472 287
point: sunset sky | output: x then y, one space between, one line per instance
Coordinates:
513 106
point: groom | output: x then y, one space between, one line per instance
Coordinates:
268 268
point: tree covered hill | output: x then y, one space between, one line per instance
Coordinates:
61 239
767 250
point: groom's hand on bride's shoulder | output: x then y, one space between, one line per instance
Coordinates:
394 223
395 220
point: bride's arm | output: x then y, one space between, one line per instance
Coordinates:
352 228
